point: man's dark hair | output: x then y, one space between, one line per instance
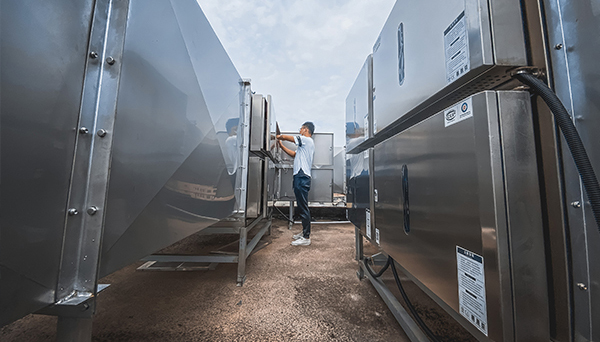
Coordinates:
310 126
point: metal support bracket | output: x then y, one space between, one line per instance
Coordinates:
163 262
291 218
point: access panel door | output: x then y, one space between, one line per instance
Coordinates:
458 208
358 196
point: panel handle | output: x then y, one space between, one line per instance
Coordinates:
406 208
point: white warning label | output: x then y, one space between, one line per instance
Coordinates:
368 222
459 112
456 44
471 288
377 236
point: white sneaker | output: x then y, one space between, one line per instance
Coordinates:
297 236
301 242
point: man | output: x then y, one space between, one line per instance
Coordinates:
303 158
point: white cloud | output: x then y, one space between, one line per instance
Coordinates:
305 53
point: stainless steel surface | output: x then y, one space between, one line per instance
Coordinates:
339 171
270 124
523 209
262 122
154 84
321 187
412 68
258 121
237 146
553 201
169 175
359 107
40 99
358 197
574 76
255 187
472 184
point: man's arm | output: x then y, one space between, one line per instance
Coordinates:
287 150
286 137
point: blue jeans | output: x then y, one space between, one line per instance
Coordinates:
301 188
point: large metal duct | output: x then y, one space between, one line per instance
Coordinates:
116 135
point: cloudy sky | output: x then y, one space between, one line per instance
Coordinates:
305 53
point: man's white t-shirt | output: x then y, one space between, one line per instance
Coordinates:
304 154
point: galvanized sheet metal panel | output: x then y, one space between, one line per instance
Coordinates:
169 174
40 100
574 25
359 107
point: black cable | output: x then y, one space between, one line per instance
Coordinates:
563 119
420 322
284 216
371 272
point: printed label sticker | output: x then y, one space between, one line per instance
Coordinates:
459 112
471 288
456 45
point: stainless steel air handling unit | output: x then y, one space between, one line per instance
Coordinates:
458 207
359 107
434 53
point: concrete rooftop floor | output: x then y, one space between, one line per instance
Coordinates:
291 294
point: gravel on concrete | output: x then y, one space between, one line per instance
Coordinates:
291 294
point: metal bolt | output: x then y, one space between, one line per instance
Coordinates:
558 46
73 212
582 286
101 133
85 306
84 130
93 55
92 210
576 204
110 60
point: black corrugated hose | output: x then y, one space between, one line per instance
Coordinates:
418 319
563 119
378 274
